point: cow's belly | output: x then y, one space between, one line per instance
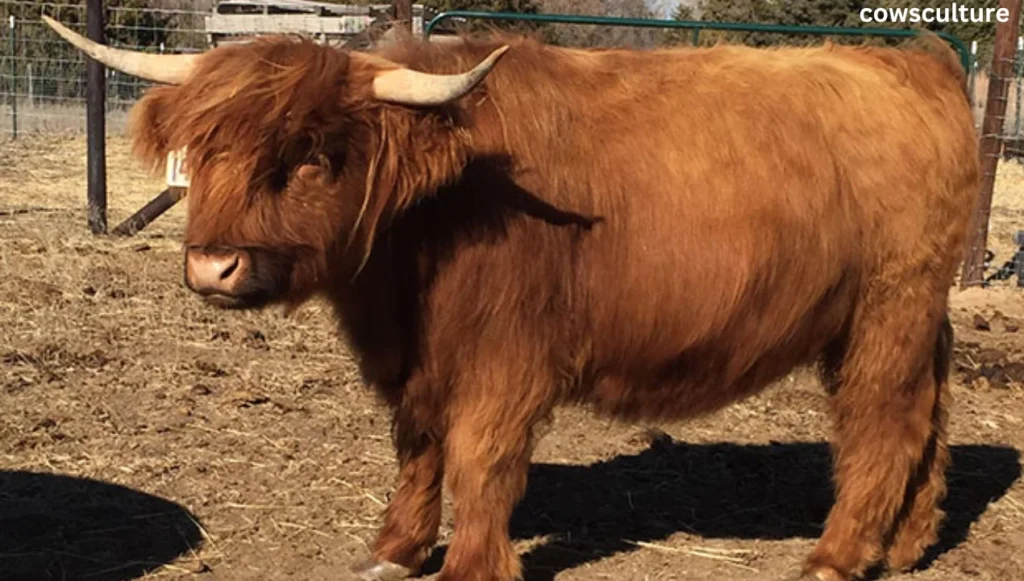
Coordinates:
651 384
698 380
672 336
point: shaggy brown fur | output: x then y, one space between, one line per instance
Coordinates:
655 234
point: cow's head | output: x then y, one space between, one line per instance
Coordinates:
297 155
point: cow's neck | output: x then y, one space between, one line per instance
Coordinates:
534 91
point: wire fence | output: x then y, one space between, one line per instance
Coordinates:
1002 141
42 77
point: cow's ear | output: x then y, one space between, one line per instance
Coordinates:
149 127
312 173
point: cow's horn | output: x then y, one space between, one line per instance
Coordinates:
409 87
172 69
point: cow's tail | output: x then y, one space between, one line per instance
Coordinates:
933 44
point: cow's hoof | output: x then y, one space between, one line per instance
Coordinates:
822 574
374 570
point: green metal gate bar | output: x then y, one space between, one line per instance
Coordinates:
695 26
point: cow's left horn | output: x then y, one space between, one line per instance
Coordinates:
409 87
172 69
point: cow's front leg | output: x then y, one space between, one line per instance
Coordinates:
487 455
487 475
413 516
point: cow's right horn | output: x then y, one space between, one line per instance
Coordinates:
172 69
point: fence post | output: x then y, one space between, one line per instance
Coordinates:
14 80
972 72
95 123
1017 78
991 136
403 13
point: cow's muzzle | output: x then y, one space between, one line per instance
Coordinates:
219 275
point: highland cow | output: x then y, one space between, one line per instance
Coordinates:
504 227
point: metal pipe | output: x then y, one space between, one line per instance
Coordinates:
958 44
151 211
14 80
95 115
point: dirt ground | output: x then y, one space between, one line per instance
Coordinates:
144 435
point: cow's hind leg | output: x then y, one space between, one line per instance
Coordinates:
413 516
921 516
884 402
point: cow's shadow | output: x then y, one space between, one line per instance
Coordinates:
771 492
60 527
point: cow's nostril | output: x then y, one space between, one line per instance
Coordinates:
231 268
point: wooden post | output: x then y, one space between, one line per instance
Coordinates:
403 14
972 74
1017 70
96 130
991 137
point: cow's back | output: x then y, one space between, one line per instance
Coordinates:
747 201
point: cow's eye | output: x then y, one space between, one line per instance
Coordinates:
278 179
